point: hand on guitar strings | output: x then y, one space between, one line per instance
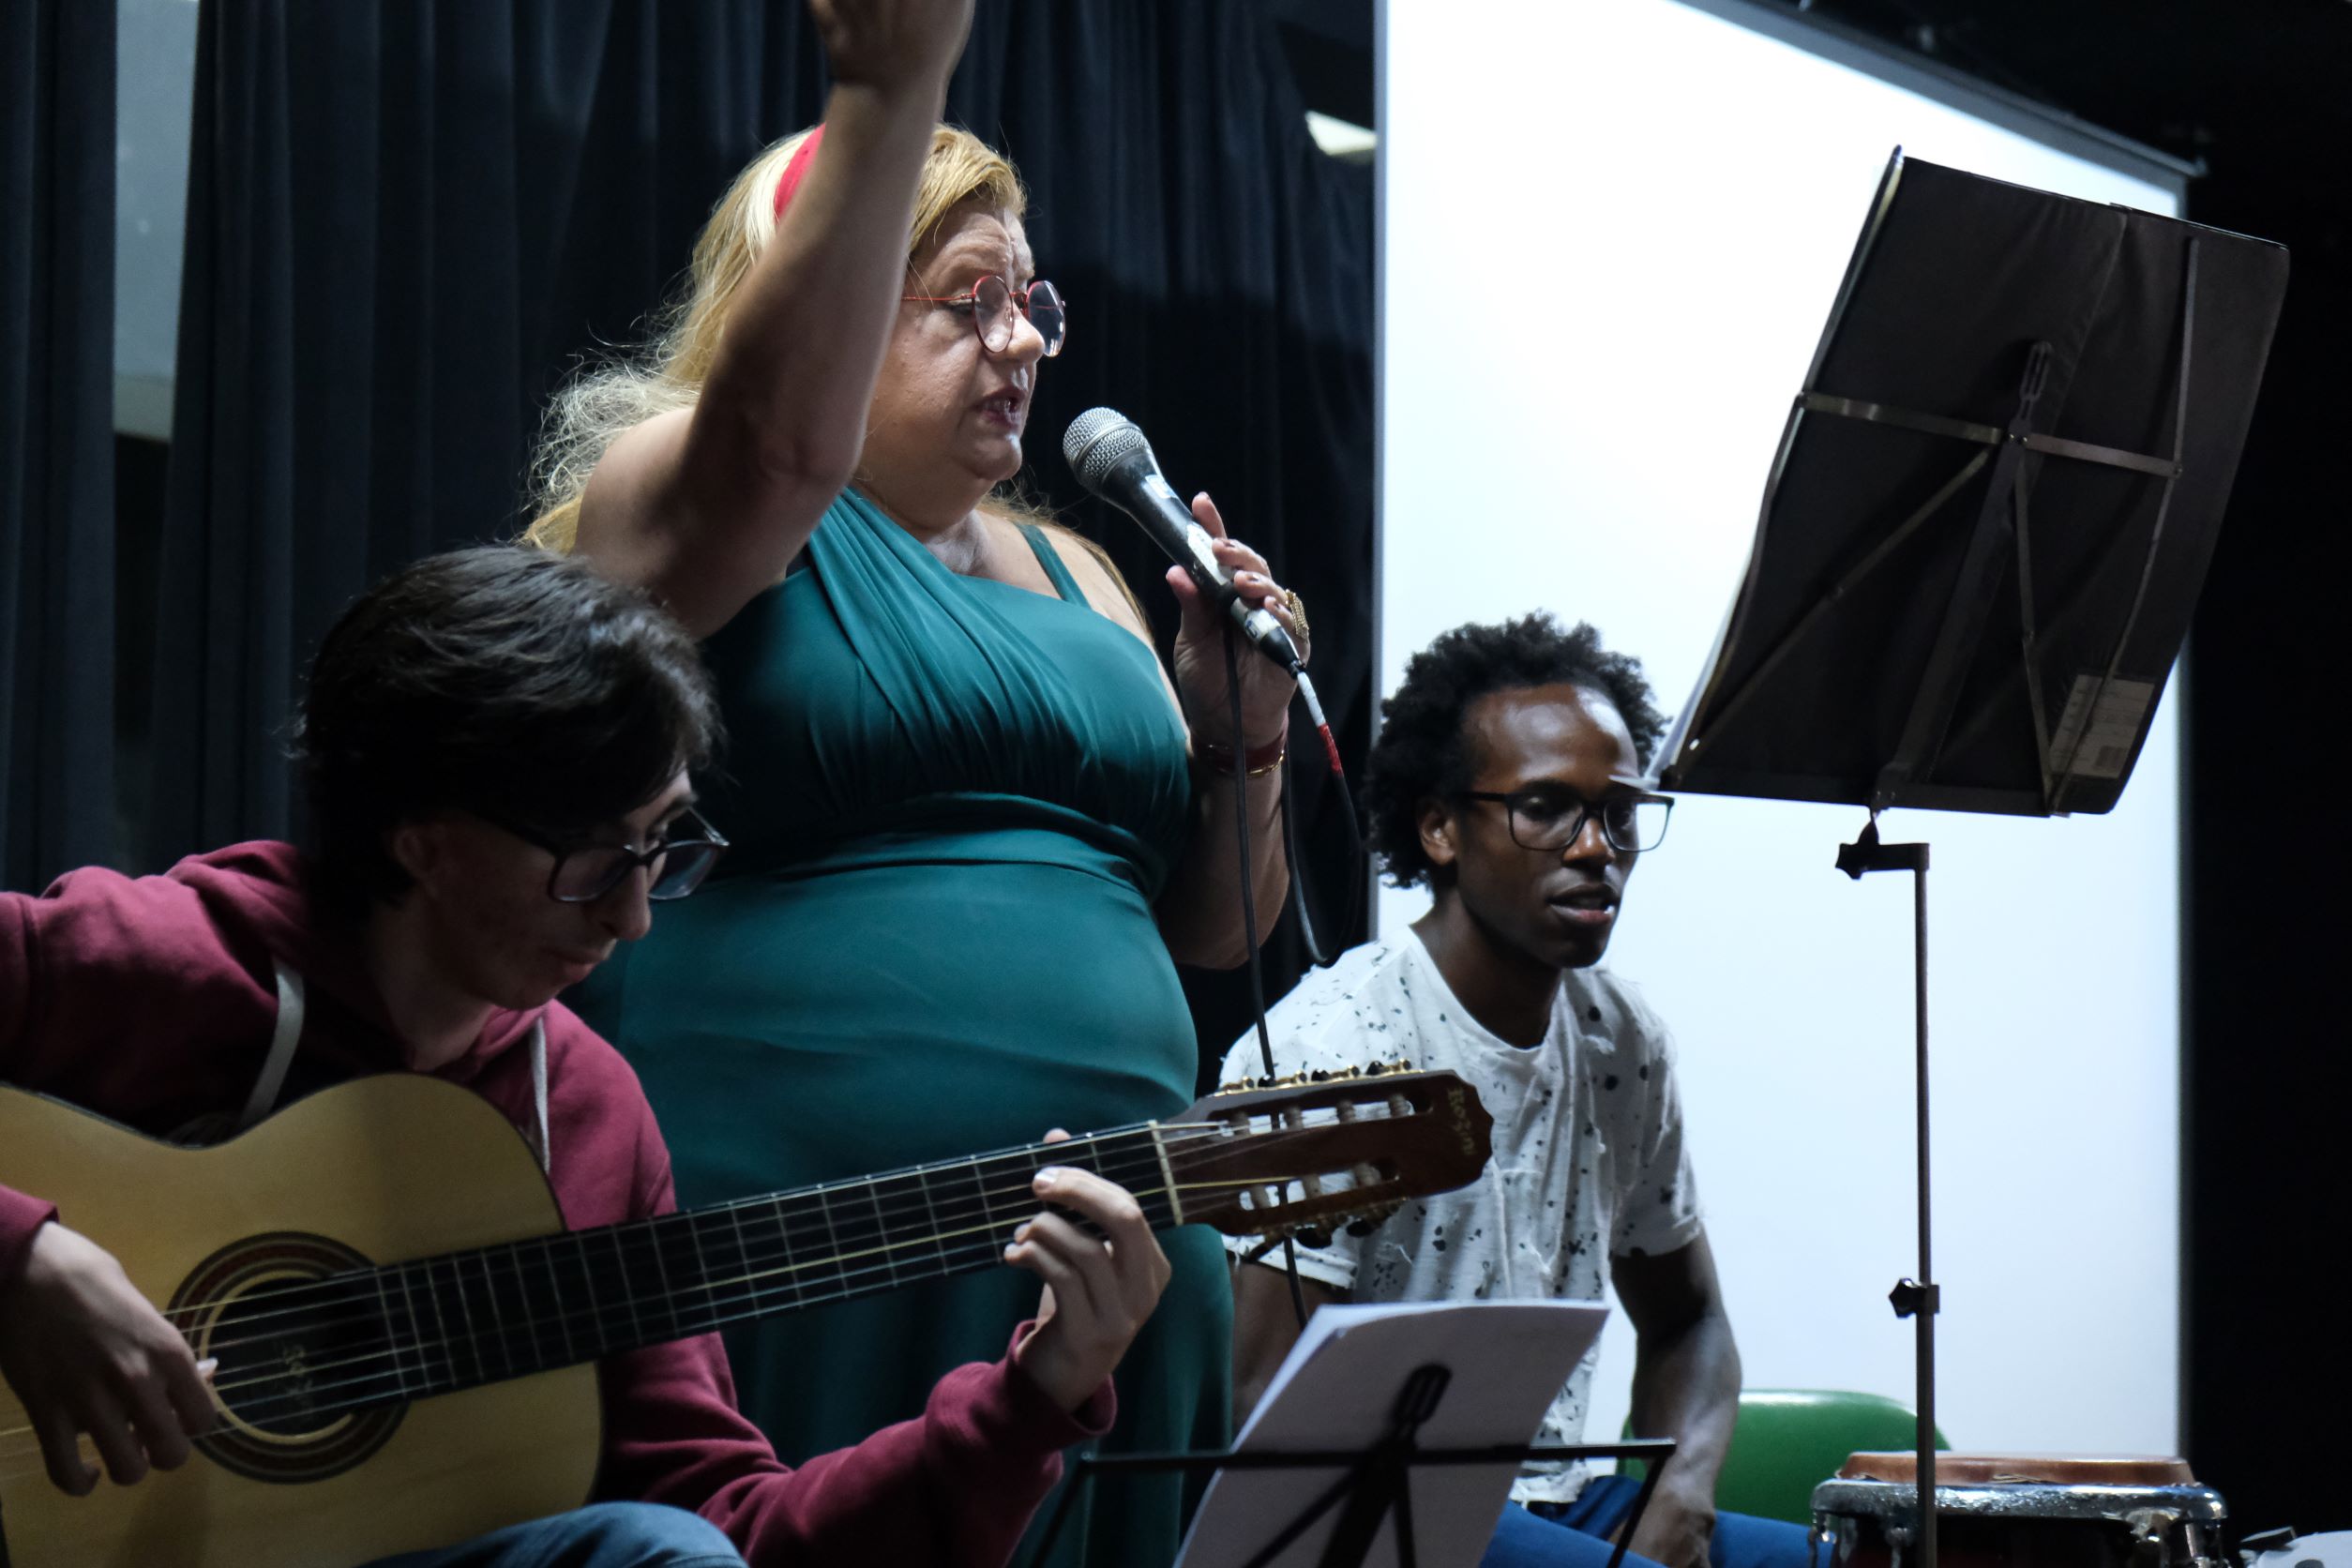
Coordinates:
1098 1292
85 1352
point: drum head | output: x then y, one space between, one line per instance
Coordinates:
2049 1469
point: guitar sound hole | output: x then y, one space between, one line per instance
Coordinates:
307 1385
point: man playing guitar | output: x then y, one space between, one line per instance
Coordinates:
496 746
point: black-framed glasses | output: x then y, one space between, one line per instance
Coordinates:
1547 817
993 303
676 863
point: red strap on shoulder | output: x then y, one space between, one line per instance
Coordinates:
795 171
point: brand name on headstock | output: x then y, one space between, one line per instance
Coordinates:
1458 1099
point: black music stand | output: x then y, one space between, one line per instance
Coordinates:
1375 1488
1982 536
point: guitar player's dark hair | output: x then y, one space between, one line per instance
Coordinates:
501 680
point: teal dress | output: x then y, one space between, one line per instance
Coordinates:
953 802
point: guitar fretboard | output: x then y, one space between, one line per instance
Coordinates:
436 1325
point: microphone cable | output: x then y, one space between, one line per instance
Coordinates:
1314 953
1249 900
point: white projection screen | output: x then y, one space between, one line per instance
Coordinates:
1611 233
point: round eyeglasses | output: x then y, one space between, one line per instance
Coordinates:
676 863
1547 817
993 303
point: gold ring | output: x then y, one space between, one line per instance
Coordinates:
1298 610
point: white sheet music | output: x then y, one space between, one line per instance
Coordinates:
1336 1390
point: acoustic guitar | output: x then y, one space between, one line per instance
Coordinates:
407 1335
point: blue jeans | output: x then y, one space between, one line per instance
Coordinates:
603 1535
1575 1535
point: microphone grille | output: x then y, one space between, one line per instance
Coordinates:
1096 440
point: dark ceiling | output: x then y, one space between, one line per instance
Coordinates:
1329 43
2237 82
2229 80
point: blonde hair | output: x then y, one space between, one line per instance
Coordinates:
609 396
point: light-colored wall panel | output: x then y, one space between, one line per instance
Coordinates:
1611 234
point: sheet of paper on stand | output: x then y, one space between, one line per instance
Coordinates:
1338 1389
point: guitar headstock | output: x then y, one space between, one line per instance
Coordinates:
1321 1149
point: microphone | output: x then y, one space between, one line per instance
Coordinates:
1110 458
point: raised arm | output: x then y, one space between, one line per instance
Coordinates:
706 506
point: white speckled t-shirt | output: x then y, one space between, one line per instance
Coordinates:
1587 1142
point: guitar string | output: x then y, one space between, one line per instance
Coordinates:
365 1308
880 1209
1214 1133
756 1297
777 1221
781 1230
349 1296
753 1290
252 1410
1378 1091
363 1294
256 1410
821 1191
752 1303
838 1287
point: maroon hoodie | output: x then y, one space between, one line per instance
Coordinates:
152 1002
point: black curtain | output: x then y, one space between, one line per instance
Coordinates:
2266 1187
56 438
407 220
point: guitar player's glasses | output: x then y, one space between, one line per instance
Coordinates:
676 861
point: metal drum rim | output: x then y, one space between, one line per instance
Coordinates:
2014 1499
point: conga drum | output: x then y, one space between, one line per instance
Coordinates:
2017 1510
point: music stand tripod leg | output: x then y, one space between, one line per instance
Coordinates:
1377 1490
1331 1497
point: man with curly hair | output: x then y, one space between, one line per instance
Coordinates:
1507 778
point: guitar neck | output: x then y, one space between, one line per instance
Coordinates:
463 1319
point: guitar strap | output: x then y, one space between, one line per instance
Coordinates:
282 1040
287 1035
538 1094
